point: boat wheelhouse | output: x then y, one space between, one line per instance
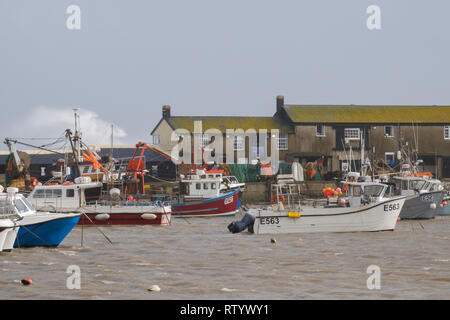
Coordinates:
423 196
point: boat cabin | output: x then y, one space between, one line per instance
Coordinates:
363 193
14 205
208 184
64 197
409 185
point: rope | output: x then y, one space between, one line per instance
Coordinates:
96 226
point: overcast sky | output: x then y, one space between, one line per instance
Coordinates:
211 58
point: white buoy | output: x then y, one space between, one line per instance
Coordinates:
148 216
114 193
102 217
433 206
155 288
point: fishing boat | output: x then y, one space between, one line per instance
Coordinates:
8 221
423 196
71 197
365 209
203 195
39 228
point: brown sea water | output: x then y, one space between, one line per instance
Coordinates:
199 259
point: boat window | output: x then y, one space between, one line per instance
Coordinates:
39 194
198 186
433 187
205 186
28 204
217 175
397 184
404 185
57 193
21 206
213 186
210 176
420 184
86 169
356 191
373 190
70 193
413 184
425 187
48 193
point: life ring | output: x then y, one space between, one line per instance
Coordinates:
283 200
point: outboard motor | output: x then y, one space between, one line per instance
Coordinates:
247 222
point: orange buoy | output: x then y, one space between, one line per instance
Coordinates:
272 201
398 219
26 281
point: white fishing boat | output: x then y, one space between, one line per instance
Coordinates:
71 197
365 209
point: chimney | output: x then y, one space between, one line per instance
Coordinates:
280 103
166 111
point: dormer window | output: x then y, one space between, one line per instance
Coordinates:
447 132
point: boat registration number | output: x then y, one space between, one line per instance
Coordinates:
270 220
427 198
391 207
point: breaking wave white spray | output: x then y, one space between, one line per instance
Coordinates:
52 122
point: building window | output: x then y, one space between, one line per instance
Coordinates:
447 132
156 140
282 143
239 143
389 157
388 131
204 141
351 133
320 130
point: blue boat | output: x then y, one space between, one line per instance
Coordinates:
37 228
48 230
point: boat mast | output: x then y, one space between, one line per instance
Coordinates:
77 135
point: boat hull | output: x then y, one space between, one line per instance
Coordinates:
375 217
45 229
445 210
126 215
225 205
7 237
419 206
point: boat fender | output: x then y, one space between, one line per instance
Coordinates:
433 206
294 214
26 281
148 216
102 217
247 222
